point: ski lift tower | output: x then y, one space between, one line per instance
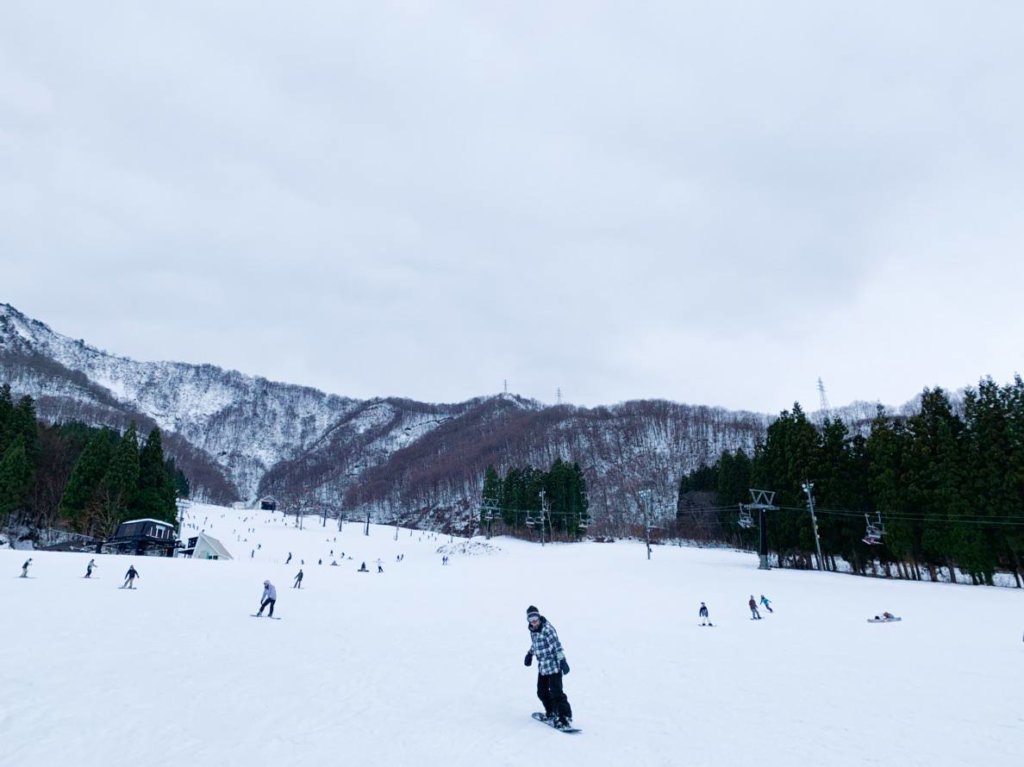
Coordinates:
808 487
762 503
645 496
182 505
545 513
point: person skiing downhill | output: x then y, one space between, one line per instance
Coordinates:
89 568
703 614
767 603
129 577
754 614
551 667
24 567
298 581
269 598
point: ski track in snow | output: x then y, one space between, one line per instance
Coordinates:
423 664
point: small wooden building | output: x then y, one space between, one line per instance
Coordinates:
267 503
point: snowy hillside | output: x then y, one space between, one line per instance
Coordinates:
241 436
423 664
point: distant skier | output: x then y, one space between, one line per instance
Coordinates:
289 560
362 568
767 603
129 577
24 567
551 667
703 614
89 568
380 566
754 614
298 581
269 598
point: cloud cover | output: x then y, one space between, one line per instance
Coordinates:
710 203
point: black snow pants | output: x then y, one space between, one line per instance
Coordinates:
266 602
549 690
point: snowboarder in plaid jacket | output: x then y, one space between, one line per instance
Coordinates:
551 667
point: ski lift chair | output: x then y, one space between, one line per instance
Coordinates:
875 531
746 521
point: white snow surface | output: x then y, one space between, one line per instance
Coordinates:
423 664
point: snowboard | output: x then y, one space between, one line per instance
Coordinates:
272 617
884 620
540 718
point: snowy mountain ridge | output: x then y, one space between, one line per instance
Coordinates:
242 436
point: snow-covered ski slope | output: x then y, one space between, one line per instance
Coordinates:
423 664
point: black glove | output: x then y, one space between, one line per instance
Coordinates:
563 666
528 660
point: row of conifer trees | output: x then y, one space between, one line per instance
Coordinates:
947 482
78 477
553 501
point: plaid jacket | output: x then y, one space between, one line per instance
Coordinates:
546 648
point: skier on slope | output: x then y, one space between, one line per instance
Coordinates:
24 567
703 614
551 667
268 599
767 603
754 614
89 568
298 580
129 577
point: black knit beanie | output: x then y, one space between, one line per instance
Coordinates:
532 612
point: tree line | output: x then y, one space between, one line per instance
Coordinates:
81 478
553 501
946 483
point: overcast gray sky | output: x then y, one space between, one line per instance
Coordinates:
713 203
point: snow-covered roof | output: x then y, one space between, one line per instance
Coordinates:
148 519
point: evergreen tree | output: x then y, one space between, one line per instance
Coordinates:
788 457
83 485
989 490
118 491
6 418
734 478
702 479
182 489
1013 535
15 477
156 492
490 494
25 425
579 500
